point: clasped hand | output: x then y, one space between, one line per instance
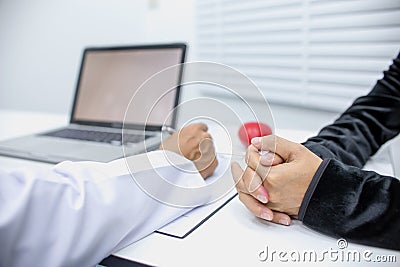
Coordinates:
274 183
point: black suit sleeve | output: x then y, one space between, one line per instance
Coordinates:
343 200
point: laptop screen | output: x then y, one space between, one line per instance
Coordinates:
110 77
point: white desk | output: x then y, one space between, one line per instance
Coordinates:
19 123
232 237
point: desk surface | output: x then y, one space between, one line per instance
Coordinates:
232 237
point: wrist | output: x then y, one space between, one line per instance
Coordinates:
311 188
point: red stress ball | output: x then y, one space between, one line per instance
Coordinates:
249 130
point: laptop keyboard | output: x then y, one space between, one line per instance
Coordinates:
97 136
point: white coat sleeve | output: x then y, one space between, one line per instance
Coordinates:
74 214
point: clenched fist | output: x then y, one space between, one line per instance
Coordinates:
196 144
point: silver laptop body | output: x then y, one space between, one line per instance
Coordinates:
108 78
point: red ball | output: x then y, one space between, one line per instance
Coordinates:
249 130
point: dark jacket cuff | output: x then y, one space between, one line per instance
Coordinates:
311 188
361 206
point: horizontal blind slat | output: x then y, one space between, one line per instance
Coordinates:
311 53
376 35
333 8
246 6
361 64
354 50
356 20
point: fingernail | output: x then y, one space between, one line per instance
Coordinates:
284 221
266 216
256 140
267 157
265 193
262 198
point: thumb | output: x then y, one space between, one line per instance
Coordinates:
275 144
237 172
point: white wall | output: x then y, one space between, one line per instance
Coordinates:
42 41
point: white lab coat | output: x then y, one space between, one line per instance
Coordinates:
75 214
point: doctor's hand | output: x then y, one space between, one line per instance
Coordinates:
285 173
196 144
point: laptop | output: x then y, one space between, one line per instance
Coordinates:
108 78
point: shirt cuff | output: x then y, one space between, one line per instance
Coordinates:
311 188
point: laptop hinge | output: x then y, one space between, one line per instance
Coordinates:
102 129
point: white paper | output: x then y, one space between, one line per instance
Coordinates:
184 225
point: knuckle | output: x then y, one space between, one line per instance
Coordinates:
251 161
207 135
273 197
247 158
299 149
241 197
192 128
248 173
201 126
272 177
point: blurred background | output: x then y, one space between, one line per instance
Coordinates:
310 58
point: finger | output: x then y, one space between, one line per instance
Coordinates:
209 170
253 185
253 161
249 182
207 161
202 126
256 207
282 196
263 212
266 158
270 159
276 144
206 135
281 218
252 154
237 173
238 177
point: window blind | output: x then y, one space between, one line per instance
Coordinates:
312 53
